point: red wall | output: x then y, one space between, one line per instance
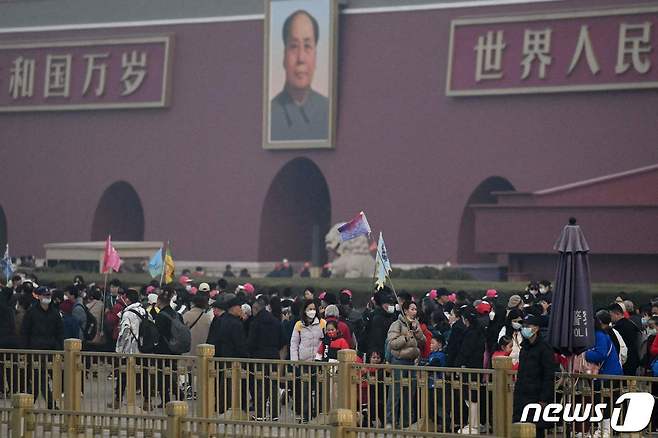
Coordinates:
406 154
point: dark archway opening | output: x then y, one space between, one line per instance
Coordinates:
296 214
481 195
3 230
119 213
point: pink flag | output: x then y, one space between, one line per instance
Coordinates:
111 259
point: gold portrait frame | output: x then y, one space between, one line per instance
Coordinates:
332 39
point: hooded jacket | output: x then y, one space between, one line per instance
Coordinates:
405 339
129 329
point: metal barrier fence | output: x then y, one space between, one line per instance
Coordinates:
273 397
446 400
273 390
582 392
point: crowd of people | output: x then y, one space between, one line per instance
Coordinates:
440 328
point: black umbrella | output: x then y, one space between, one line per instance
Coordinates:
571 327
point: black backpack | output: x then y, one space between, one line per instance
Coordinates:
180 338
91 326
148 336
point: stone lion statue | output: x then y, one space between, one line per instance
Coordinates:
349 259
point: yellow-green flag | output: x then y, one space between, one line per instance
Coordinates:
168 266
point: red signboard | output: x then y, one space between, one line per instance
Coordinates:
85 74
554 52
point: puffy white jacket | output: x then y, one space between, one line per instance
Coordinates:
129 329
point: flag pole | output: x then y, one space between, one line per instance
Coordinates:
381 260
104 288
163 263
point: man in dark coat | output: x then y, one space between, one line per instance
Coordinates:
265 341
231 342
43 329
377 329
163 323
630 334
535 381
468 354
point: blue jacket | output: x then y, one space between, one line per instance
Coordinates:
605 353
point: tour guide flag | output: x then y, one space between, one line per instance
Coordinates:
168 266
111 259
356 227
7 267
382 263
155 264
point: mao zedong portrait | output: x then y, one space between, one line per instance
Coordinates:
299 112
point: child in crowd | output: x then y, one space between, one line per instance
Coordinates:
372 391
504 349
331 344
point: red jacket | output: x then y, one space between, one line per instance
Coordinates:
344 330
425 352
654 347
329 348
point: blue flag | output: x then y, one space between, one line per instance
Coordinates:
7 267
155 264
356 227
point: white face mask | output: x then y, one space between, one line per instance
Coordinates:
397 307
516 325
390 309
173 305
492 315
46 301
188 288
311 314
651 332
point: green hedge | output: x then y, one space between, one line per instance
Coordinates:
602 293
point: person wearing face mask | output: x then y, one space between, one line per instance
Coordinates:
306 339
404 341
536 376
43 330
512 328
376 328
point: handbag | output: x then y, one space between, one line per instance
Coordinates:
582 366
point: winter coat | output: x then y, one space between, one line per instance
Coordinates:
43 329
199 333
654 348
78 312
266 336
630 334
536 376
405 339
129 329
604 354
95 307
425 350
306 339
377 330
8 338
457 331
471 353
344 330
231 339
329 348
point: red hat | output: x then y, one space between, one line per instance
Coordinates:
483 308
150 289
452 298
184 279
347 292
491 293
249 288
432 294
322 295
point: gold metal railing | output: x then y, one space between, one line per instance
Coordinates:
72 391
